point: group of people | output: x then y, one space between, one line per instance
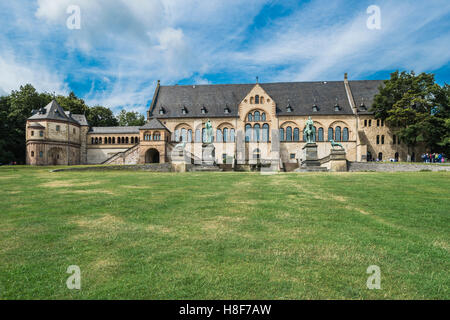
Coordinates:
433 157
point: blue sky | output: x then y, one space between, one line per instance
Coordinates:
125 46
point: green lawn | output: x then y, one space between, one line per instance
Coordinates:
142 235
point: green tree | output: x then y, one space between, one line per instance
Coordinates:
130 118
414 106
6 154
19 106
73 104
99 116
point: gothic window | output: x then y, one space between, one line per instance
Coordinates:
265 132
183 135
337 134
257 116
232 137
225 134
256 99
288 134
263 116
219 136
250 117
177 135
189 135
320 134
330 134
345 134
248 132
281 134
257 133
296 134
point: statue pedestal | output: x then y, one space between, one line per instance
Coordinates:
208 154
310 158
338 161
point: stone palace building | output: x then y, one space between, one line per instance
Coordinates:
252 123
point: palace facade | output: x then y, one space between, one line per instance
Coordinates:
251 122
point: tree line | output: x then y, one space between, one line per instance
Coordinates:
417 109
17 107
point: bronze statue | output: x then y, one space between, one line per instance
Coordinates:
310 131
209 132
335 144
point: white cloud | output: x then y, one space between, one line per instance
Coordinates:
15 74
124 46
322 41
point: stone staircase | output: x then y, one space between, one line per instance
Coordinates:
129 156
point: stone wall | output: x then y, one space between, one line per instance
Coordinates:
395 167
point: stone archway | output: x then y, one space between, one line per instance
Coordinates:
55 156
152 156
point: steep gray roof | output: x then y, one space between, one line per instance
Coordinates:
154 124
102 130
363 91
52 111
213 97
81 119
301 96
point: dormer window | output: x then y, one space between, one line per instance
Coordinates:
184 110
315 108
161 110
289 108
337 107
204 111
226 110
362 107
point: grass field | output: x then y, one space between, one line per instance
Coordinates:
142 235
